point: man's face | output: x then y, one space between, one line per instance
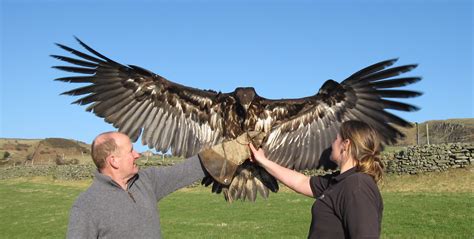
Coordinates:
126 157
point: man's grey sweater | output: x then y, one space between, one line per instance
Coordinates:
106 210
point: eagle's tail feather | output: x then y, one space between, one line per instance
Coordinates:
267 179
249 181
262 189
251 189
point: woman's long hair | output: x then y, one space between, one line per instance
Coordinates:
364 147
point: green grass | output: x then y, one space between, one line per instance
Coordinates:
430 215
197 212
35 210
39 208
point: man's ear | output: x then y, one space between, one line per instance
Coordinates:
112 160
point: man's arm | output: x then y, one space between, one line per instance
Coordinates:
166 180
81 225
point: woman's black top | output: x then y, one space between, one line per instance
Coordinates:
348 205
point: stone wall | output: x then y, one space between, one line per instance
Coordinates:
63 172
411 160
429 158
68 172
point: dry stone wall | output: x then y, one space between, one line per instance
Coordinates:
63 172
66 172
429 158
411 160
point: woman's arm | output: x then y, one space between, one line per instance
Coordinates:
292 179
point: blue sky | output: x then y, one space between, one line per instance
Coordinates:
285 49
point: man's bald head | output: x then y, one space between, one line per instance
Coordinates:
104 145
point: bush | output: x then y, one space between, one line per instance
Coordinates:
6 155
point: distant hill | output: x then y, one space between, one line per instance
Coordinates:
43 151
67 151
440 131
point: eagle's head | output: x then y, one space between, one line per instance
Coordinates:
245 96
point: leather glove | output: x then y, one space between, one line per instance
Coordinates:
221 161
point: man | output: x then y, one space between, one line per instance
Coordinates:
122 200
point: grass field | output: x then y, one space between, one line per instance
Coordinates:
434 205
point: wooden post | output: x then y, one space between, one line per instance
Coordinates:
417 134
427 134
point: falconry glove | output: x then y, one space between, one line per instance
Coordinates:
221 161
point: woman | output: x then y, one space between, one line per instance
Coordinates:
349 204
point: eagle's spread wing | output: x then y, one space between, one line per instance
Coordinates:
138 101
168 115
312 123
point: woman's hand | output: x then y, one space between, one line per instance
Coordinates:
258 156
293 179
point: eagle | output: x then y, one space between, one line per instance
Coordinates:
184 120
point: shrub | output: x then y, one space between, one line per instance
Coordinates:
6 155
